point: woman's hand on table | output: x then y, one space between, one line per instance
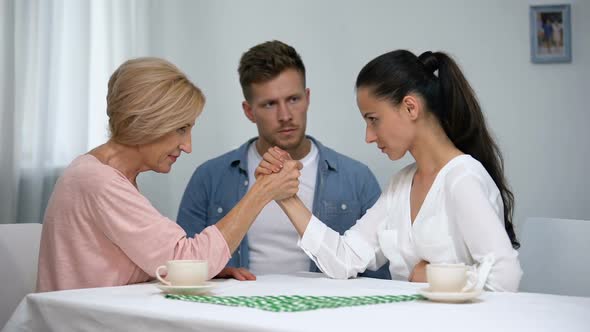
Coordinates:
419 272
238 273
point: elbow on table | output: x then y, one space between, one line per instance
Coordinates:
505 278
340 274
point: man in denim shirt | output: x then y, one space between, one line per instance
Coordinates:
338 189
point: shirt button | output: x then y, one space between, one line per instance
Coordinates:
343 206
246 183
219 210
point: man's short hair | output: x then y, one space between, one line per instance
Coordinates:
266 61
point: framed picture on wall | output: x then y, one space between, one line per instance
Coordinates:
551 34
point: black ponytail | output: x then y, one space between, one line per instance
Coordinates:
449 96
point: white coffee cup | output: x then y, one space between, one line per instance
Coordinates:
184 272
447 277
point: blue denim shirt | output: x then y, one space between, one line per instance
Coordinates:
345 189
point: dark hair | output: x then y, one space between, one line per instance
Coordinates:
266 61
451 99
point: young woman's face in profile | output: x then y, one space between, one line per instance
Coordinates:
159 155
387 125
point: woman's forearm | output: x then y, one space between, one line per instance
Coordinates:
236 223
278 186
297 213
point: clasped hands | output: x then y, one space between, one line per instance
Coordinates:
280 168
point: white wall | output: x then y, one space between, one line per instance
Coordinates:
537 112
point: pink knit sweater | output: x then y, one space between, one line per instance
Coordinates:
100 231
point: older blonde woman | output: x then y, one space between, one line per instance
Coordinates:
99 230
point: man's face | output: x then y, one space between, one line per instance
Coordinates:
279 109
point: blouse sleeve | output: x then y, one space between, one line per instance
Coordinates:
345 256
478 214
149 239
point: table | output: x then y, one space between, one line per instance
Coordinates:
143 307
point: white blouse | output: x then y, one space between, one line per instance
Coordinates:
461 221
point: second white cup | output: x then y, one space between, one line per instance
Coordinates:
184 272
446 277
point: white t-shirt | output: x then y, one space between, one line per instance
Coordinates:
272 239
461 221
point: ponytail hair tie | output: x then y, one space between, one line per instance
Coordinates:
429 61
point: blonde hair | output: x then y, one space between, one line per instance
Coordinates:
149 98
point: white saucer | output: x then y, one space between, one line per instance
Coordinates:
186 290
457 297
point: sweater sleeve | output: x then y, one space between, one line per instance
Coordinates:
148 238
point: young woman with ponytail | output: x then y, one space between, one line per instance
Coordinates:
452 205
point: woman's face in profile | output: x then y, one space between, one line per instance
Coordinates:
159 155
387 125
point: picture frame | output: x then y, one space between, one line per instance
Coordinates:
551 34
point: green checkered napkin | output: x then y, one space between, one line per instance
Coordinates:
294 303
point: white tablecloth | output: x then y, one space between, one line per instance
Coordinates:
144 308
